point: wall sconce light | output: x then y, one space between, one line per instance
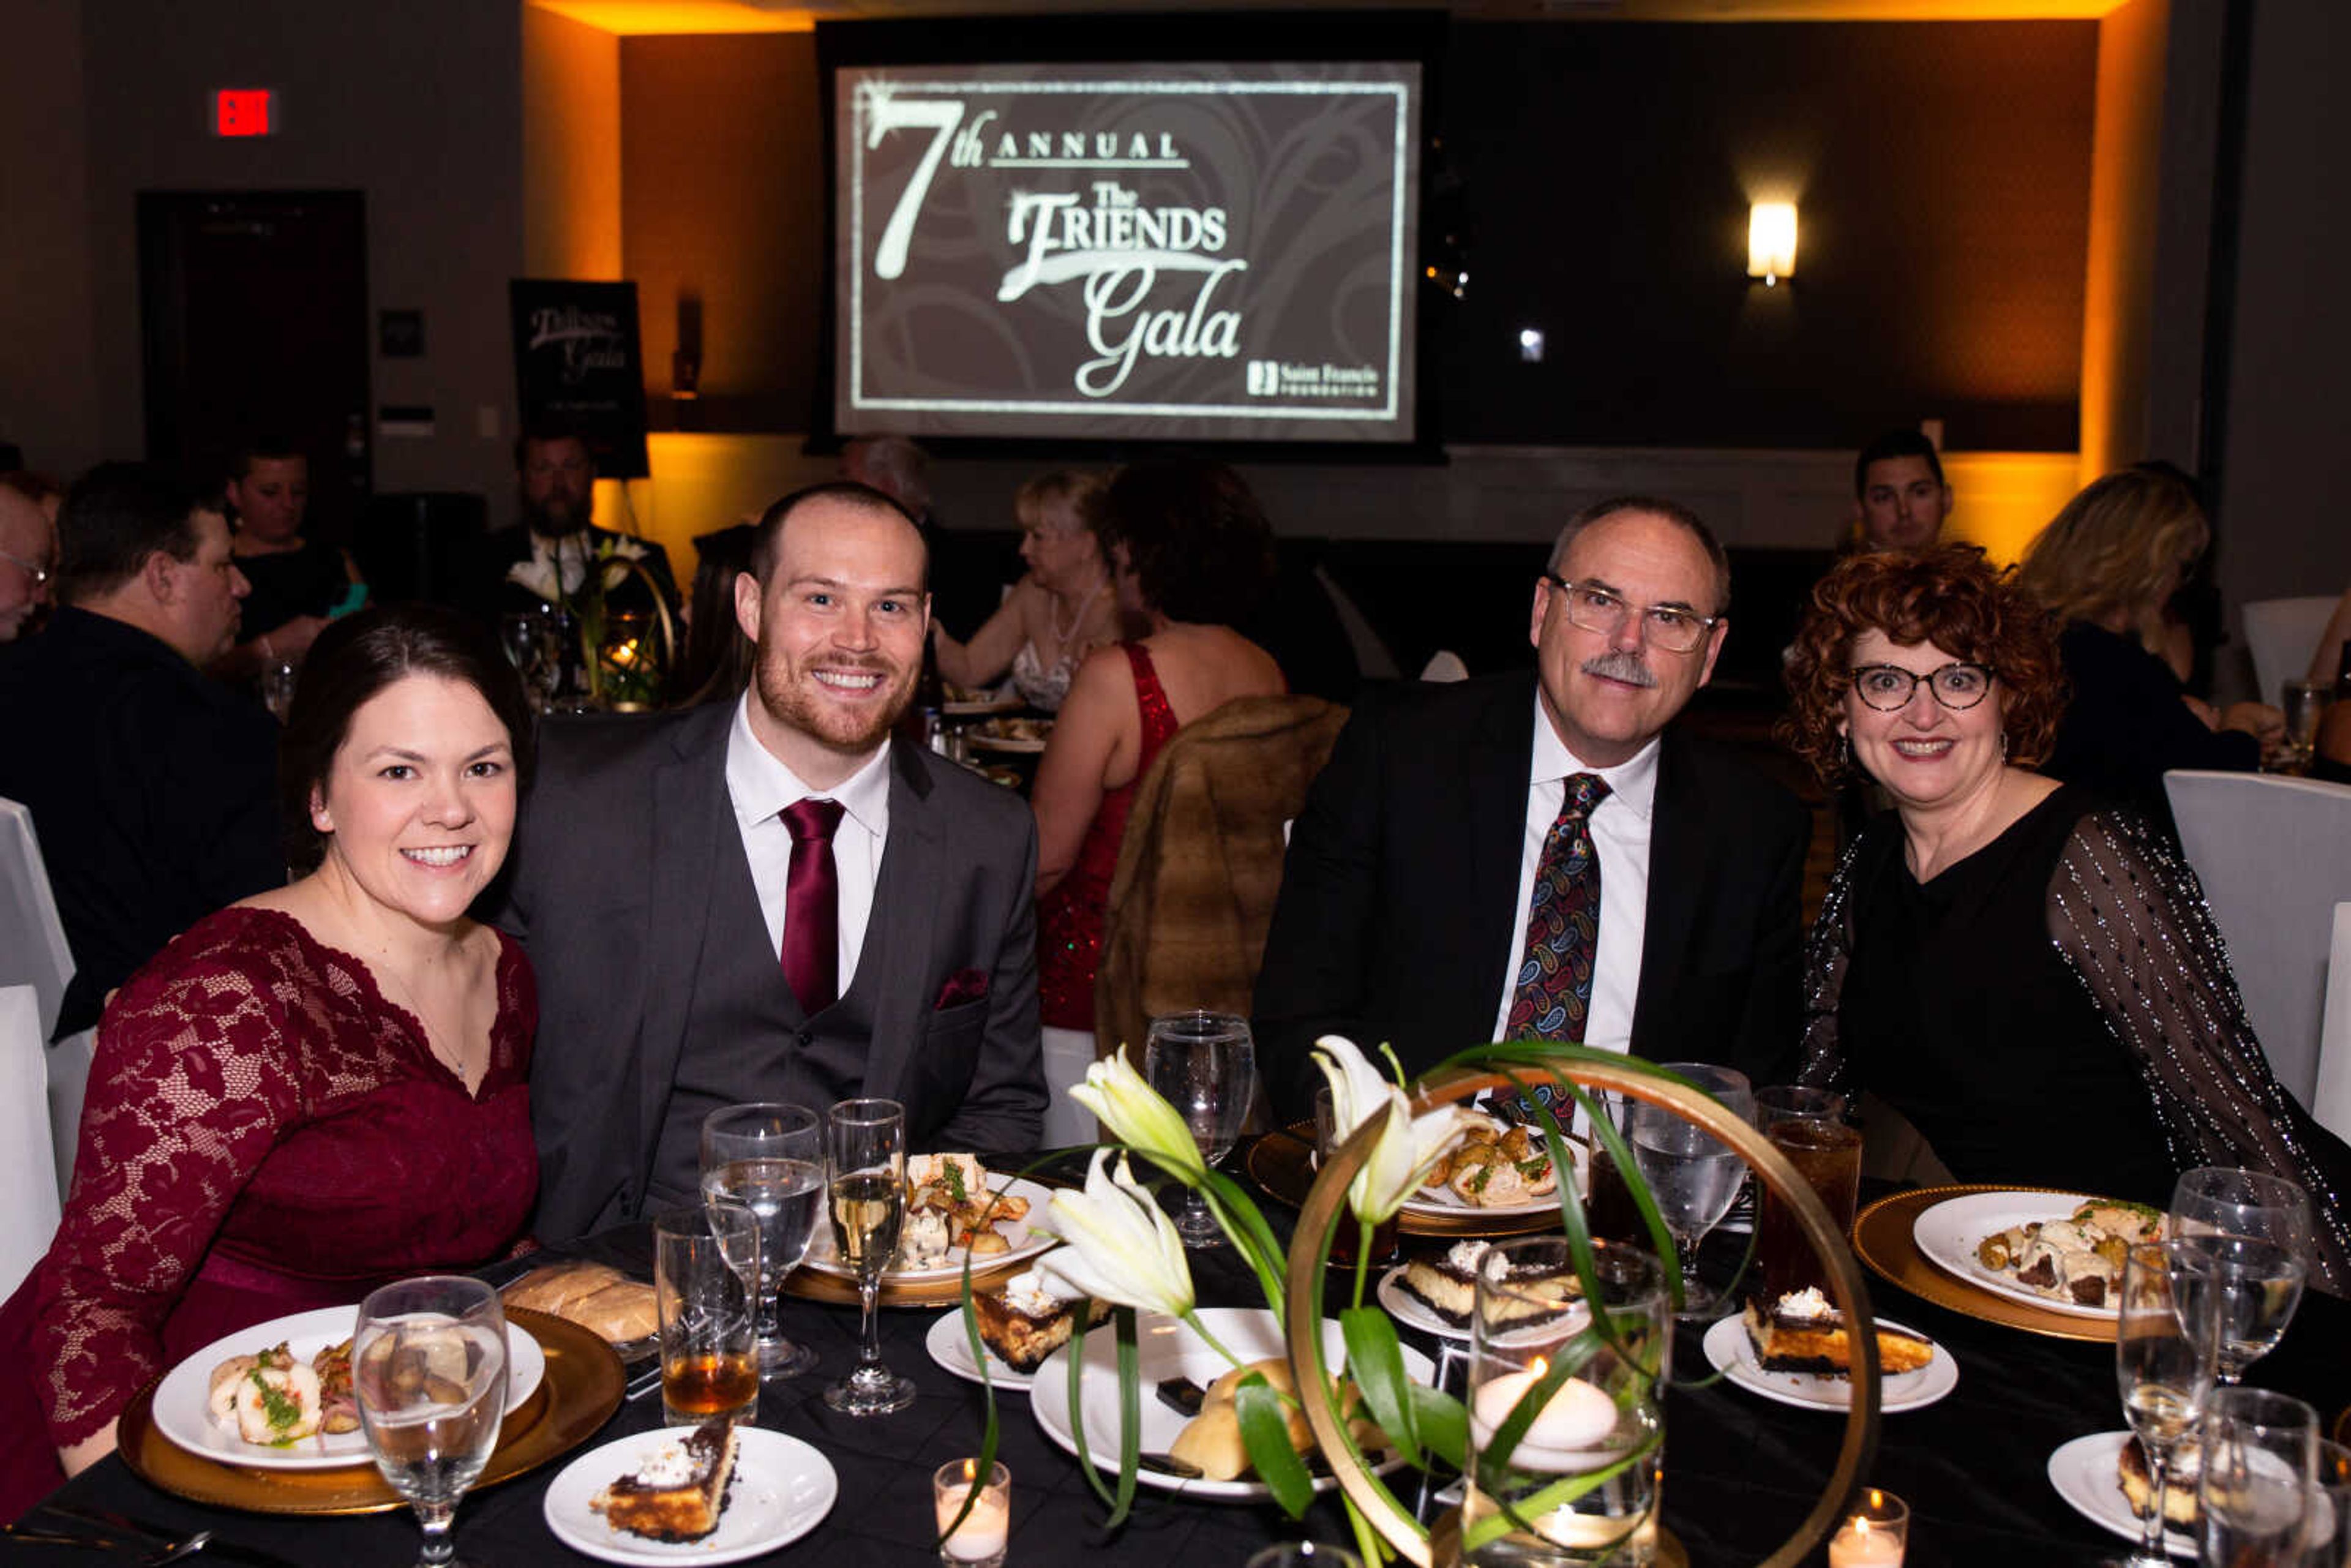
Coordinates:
1772 241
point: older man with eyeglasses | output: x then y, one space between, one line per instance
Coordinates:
1540 855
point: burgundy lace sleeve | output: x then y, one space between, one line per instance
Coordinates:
2130 919
186 1094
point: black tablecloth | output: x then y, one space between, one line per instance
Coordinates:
1739 1471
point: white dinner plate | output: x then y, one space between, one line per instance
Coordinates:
1947 1234
951 1350
1444 1201
1730 1352
183 1399
782 1490
1170 1349
2083 1473
1018 744
980 707
1026 1241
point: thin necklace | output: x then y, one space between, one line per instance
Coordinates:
1061 638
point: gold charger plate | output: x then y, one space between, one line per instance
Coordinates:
1882 1238
814 1285
580 1391
1280 1163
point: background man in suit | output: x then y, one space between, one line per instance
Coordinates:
1899 498
554 494
768 900
152 786
1538 855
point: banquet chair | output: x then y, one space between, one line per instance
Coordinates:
2274 857
2331 1102
33 952
29 1193
2282 634
1201 863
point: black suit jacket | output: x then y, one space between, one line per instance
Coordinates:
1401 889
614 860
491 594
152 786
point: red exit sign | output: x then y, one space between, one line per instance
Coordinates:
244 112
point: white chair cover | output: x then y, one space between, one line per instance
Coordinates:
33 952
2274 857
1445 665
2331 1103
29 1193
1067 1053
2282 634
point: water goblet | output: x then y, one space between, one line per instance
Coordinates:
1692 1174
2167 1342
2259 1468
2257 1284
429 1375
1205 1064
865 1173
769 1157
277 677
528 637
2242 1203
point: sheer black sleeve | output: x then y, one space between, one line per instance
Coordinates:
1826 953
2129 918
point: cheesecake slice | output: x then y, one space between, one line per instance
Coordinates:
1803 1332
1447 1286
1025 1321
678 1493
2180 1506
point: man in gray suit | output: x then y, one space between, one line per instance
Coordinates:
769 899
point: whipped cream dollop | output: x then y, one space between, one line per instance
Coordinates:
1807 1302
668 1465
1463 1256
1034 1294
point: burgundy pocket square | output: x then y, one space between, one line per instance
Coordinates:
962 985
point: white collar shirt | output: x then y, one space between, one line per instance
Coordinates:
759 787
1620 833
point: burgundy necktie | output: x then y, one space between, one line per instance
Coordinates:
1554 991
813 905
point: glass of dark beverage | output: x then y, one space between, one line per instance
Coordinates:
703 1262
1608 1207
1808 1126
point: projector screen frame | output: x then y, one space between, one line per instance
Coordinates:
1268 39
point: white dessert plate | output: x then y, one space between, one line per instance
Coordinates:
1729 1350
1170 1349
782 1490
1947 1235
1411 1311
183 1399
951 1350
2085 1475
993 734
1027 1241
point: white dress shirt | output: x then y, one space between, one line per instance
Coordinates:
1620 833
761 787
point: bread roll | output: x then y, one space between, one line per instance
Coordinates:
600 1299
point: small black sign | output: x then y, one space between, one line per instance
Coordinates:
399 334
578 362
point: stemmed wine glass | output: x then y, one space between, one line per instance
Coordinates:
526 636
1205 1064
865 1165
1692 1174
769 1158
429 1373
2166 1344
2264 1282
2259 1468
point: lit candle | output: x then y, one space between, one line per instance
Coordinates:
1578 1416
1860 1545
980 1537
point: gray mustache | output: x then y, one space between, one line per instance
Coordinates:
1616 664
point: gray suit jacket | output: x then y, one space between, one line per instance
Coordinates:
613 861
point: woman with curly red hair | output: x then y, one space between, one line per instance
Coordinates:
2027 974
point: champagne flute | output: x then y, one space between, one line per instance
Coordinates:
771 1158
429 1374
2260 1467
865 1166
2166 1345
1692 1174
1205 1064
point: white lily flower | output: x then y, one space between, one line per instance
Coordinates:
1407 1146
537 575
1119 1247
1139 1116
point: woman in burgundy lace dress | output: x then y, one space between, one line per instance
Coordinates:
1192 555
317 1089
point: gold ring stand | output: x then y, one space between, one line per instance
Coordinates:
1328 1198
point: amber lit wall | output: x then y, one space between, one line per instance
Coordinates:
1943 171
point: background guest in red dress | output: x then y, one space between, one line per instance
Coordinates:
320 1087
1192 555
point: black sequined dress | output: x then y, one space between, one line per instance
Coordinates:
2057 1010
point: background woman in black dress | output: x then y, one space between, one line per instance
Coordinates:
2028 974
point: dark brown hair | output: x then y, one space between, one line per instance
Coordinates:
1951 597
353 659
1194 537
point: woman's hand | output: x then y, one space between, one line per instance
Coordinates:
2263 722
